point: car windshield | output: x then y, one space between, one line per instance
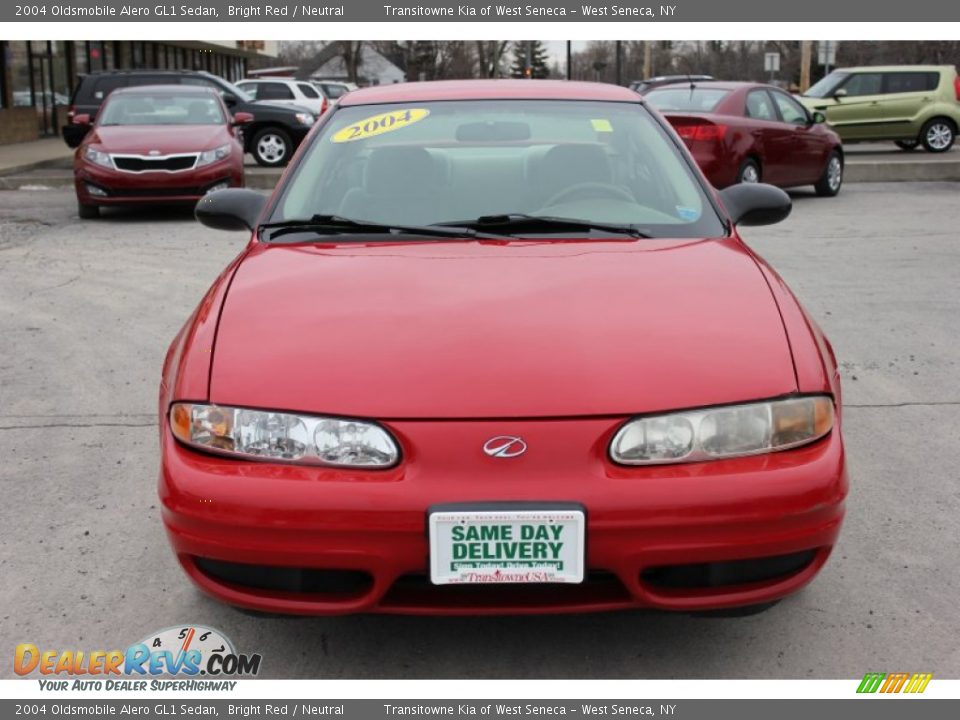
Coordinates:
686 98
162 109
456 162
826 86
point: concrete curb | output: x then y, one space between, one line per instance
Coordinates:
857 171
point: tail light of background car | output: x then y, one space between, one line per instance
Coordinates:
956 87
700 130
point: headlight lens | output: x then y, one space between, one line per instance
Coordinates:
268 435
305 118
723 432
211 156
98 157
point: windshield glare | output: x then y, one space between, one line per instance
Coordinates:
826 86
162 109
444 162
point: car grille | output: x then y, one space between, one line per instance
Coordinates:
169 163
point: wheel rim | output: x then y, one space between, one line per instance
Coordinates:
940 136
271 148
750 174
834 173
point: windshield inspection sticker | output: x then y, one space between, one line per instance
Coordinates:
687 213
379 124
602 125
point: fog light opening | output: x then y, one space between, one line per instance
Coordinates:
96 191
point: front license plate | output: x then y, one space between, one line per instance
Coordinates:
506 546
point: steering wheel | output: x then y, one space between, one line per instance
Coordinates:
589 190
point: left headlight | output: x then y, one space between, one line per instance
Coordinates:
723 432
305 118
98 157
211 156
269 435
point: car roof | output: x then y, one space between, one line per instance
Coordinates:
896 68
488 90
152 89
716 85
271 79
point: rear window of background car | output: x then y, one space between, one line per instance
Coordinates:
685 98
904 82
308 90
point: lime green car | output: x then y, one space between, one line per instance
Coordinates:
909 104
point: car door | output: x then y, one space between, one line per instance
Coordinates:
772 138
904 96
808 147
856 111
310 97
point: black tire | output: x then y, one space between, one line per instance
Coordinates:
907 145
832 178
88 212
938 135
271 147
749 172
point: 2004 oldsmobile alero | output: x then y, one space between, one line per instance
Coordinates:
496 347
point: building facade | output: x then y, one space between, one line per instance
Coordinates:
37 77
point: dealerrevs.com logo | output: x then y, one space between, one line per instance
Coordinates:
900 682
186 652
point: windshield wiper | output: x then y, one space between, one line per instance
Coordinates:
518 223
337 225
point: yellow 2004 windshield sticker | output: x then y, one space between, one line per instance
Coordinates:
379 124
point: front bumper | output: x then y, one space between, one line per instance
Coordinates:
690 537
122 188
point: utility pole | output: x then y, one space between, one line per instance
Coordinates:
569 60
616 46
647 59
806 52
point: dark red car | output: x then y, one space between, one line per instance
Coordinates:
157 143
749 132
497 347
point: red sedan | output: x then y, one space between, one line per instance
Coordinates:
496 347
745 132
157 143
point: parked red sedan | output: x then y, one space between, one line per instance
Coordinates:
496 347
159 143
746 132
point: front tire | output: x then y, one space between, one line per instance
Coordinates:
87 211
938 135
749 172
271 147
829 183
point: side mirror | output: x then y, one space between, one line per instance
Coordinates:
818 117
229 100
840 93
231 209
756 204
242 118
81 119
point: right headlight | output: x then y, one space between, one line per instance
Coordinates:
98 157
723 432
305 118
287 437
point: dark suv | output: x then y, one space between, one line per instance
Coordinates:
271 138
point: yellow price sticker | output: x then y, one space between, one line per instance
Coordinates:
602 125
379 124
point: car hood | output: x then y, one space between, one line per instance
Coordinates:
166 139
495 330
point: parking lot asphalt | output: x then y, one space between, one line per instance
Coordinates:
87 310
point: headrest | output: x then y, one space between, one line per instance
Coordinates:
401 170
